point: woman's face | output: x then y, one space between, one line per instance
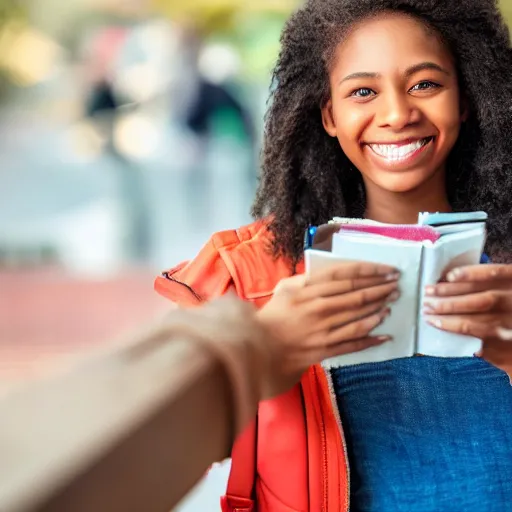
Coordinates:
395 105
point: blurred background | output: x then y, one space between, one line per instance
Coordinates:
130 131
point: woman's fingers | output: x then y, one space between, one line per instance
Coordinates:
342 278
311 317
357 329
324 307
332 288
347 347
457 289
362 324
342 317
473 279
351 270
465 304
480 326
479 273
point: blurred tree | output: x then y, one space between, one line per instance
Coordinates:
214 16
10 9
12 13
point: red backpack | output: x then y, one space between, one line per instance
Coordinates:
293 457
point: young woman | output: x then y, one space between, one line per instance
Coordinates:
380 109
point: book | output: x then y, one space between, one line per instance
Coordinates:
424 253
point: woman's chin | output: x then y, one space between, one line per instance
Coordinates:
405 182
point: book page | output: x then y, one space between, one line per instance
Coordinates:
402 324
458 228
455 218
451 251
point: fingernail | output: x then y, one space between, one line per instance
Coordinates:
430 291
386 313
428 308
383 339
393 277
504 334
394 297
436 323
454 275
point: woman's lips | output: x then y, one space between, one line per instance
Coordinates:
400 155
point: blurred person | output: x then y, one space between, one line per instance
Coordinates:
102 103
356 82
102 100
105 48
214 97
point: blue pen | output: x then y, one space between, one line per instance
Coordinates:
309 238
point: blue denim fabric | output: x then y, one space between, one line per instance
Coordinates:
427 435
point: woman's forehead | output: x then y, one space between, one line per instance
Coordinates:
390 41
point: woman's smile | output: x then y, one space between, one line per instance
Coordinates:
399 156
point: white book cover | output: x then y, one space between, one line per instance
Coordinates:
421 264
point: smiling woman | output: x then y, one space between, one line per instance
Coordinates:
381 109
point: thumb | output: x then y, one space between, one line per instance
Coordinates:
291 284
323 237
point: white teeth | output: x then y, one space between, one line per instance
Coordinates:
395 153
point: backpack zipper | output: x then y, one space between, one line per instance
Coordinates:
325 468
325 445
168 279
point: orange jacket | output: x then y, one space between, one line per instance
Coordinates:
293 457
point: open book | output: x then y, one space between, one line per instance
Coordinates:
423 253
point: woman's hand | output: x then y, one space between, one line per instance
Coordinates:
476 301
330 313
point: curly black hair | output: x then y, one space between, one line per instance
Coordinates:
307 179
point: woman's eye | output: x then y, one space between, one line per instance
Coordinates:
423 86
363 92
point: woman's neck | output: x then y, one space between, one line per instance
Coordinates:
403 208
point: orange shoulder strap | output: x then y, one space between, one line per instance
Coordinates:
242 477
240 494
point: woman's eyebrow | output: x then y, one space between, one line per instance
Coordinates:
359 75
425 66
408 72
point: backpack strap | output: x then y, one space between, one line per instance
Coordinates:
240 492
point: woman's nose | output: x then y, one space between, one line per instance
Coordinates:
396 111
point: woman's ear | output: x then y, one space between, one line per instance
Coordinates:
328 119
